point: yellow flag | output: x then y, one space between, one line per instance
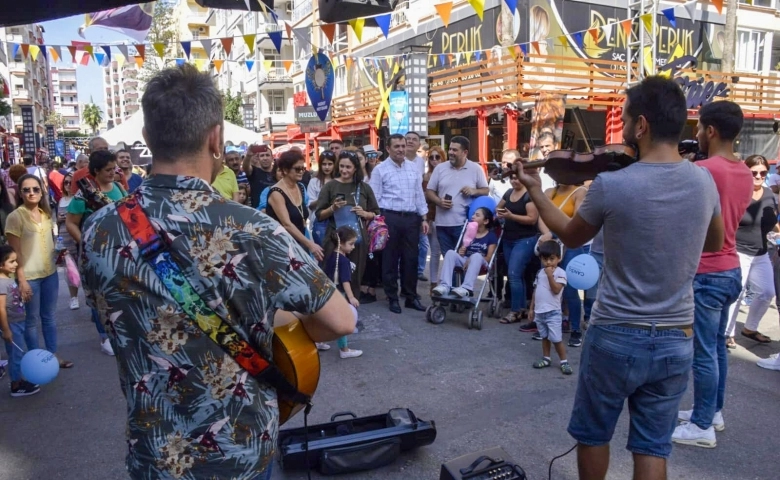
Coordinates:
357 26
678 52
90 50
159 47
200 63
268 65
250 42
479 7
649 67
564 41
647 19
512 52
34 51
120 60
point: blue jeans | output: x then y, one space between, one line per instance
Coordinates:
713 294
649 368
423 255
570 294
590 294
517 254
448 238
14 355
98 324
41 308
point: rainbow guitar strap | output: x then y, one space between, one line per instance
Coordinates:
156 250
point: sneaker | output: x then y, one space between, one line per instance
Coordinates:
25 389
690 434
771 363
575 339
461 292
717 421
74 303
536 336
105 347
322 346
421 277
566 369
542 363
350 353
441 290
529 327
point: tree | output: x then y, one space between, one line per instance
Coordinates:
233 106
5 108
93 116
163 31
57 120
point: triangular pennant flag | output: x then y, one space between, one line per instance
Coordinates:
478 55
206 44
442 58
55 56
649 67
451 58
626 24
536 47
249 39
468 58
90 50
607 28
262 7
248 6
218 64
479 7
512 5
159 47
647 20
84 59
186 47
512 52
120 61
669 14
34 51
523 49
690 7
357 25
200 64
289 29
16 49
718 5
249 65
268 65
457 58
276 38
329 29
141 49
72 51
61 50
384 23
107 50
444 10
180 62
413 17
302 34
99 58
25 50
274 16
123 50
564 41
139 61
594 33
287 64
227 45
43 51
677 53
577 38
488 55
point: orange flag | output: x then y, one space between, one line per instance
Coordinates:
349 62
139 60
626 24
55 55
719 5
329 29
287 64
25 50
536 46
444 9
594 32
218 64
227 44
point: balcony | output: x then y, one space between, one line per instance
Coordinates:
302 10
22 95
275 75
280 118
17 68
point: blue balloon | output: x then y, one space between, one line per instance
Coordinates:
40 366
480 202
582 272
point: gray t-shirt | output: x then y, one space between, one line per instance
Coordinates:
655 219
448 180
14 307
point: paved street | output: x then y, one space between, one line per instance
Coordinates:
478 386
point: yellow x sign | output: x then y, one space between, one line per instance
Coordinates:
384 95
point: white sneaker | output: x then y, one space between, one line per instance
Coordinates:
350 353
441 290
105 347
461 292
771 363
74 303
717 421
690 434
322 346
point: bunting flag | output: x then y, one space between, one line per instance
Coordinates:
200 64
512 52
536 47
90 50
478 56
649 66
594 33
442 58
607 28
564 41
349 62
186 47
268 65
678 52
206 44
626 24
34 50
180 62
218 64
159 47
479 7
107 50
227 45
413 17
276 38
43 53
357 25
512 5
690 7
290 30
329 29
647 20
249 39
302 34
72 50
578 38
718 5
120 61
141 49
523 49
287 64
54 55
123 51
139 61
84 59
444 10
669 14
249 65
100 59
384 23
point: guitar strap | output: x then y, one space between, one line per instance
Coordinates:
156 250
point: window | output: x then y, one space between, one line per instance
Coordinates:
340 38
271 54
340 88
276 101
758 3
750 50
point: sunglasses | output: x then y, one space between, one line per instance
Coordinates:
436 157
29 190
759 174
328 154
299 169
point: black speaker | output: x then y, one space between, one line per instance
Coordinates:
333 11
490 464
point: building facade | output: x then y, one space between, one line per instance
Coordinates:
65 96
122 97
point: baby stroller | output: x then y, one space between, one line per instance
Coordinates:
436 313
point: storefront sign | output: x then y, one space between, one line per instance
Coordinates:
698 92
314 127
398 116
306 114
28 129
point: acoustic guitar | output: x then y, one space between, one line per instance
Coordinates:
296 356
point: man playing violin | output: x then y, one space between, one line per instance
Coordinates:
639 346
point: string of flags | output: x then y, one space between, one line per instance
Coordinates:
103 54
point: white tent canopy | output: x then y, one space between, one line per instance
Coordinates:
129 132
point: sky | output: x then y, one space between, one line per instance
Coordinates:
90 78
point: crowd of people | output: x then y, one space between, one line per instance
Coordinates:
260 233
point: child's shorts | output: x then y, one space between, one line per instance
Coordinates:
549 325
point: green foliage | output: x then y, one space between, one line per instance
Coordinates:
93 116
57 120
5 109
72 134
164 31
233 108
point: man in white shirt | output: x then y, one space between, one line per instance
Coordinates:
412 148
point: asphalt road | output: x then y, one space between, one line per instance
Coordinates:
478 386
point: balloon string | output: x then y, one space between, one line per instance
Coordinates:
17 346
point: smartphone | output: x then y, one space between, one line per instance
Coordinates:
501 209
340 197
448 197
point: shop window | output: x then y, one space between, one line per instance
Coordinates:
276 101
751 46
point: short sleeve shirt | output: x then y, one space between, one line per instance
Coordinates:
37 242
448 180
481 245
78 206
14 306
226 183
151 335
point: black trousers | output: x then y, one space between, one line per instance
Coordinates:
403 245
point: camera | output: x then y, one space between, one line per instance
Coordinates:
691 147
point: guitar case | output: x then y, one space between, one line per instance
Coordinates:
354 444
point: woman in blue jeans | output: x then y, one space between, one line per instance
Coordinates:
520 234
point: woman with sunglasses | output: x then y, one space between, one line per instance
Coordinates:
760 218
30 231
325 166
67 238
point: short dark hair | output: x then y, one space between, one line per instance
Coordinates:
181 105
28 159
395 136
419 137
122 150
5 253
336 140
462 141
545 134
662 103
289 158
724 116
550 248
99 159
754 160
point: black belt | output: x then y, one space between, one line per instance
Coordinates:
401 214
687 329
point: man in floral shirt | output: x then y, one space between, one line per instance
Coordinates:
193 412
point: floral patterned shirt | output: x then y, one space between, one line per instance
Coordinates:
193 413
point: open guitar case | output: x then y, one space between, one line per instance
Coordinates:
354 444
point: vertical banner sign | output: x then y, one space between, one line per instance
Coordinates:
59 148
547 125
28 129
398 116
319 83
50 140
416 86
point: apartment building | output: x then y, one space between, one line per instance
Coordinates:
122 98
65 96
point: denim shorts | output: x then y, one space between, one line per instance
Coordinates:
549 325
649 368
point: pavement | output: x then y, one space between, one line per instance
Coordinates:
478 386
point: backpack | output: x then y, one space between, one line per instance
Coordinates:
378 234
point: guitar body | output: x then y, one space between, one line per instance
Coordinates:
297 358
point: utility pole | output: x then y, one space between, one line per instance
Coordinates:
730 37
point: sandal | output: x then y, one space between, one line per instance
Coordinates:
542 363
511 317
731 343
66 364
757 336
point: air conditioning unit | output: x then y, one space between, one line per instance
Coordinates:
288 7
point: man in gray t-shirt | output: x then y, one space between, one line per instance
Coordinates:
657 215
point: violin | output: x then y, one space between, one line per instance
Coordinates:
568 167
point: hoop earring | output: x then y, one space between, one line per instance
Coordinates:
216 156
